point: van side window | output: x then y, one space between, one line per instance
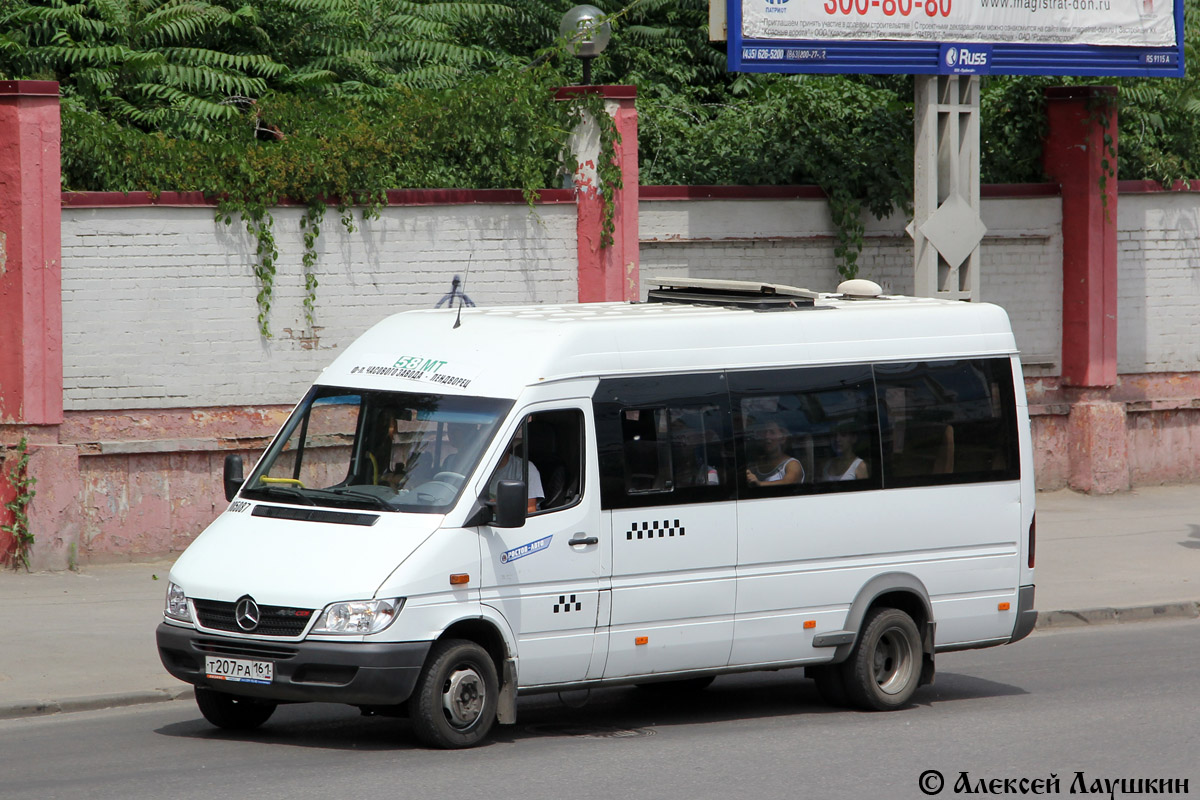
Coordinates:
546 452
671 448
822 419
664 441
556 449
948 422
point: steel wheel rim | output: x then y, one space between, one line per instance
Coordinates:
892 661
464 695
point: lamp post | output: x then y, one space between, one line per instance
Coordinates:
587 33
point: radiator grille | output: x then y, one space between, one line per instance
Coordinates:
273 621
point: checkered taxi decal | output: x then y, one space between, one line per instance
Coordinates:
654 530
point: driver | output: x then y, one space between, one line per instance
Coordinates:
512 468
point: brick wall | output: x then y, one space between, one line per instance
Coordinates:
165 372
159 303
1158 282
790 241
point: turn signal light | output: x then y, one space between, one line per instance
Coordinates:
809 624
1004 606
459 578
642 640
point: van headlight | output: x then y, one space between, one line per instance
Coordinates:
177 604
359 616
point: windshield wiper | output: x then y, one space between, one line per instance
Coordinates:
285 491
355 494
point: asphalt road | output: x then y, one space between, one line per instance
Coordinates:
1118 701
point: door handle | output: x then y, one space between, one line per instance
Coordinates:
580 539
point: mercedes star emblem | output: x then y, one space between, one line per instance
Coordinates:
246 613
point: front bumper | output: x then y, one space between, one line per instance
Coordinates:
355 673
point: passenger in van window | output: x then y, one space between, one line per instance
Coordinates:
770 464
845 464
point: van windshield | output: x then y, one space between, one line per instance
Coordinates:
390 451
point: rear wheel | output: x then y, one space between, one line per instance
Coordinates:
885 666
454 703
231 712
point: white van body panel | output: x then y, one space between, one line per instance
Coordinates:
432 603
532 575
274 559
502 352
674 583
806 555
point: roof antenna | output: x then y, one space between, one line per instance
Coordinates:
456 292
462 296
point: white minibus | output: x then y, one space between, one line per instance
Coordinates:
475 504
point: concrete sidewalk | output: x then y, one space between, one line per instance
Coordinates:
76 641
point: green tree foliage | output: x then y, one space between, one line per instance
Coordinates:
362 46
155 64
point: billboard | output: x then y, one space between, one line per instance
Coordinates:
958 37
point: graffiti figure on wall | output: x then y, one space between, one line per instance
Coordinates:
455 292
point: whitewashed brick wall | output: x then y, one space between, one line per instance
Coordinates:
159 303
1158 282
790 241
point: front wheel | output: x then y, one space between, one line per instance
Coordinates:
231 712
885 666
454 703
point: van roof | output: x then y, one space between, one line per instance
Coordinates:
497 352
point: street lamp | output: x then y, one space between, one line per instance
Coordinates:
587 33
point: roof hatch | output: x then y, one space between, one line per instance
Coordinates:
751 295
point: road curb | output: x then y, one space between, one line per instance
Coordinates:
1111 616
40 708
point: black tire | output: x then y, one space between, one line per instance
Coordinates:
231 712
678 687
884 667
454 702
830 686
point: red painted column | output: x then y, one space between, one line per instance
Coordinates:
31 369
608 273
1077 156
1080 153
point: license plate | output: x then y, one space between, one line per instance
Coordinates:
240 670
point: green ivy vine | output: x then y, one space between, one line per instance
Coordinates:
502 130
22 484
1101 108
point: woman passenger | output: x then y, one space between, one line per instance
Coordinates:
772 465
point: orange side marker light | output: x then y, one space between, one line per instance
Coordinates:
642 640
1004 606
809 624
459 578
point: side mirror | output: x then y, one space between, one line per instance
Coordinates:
512 504
234 475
